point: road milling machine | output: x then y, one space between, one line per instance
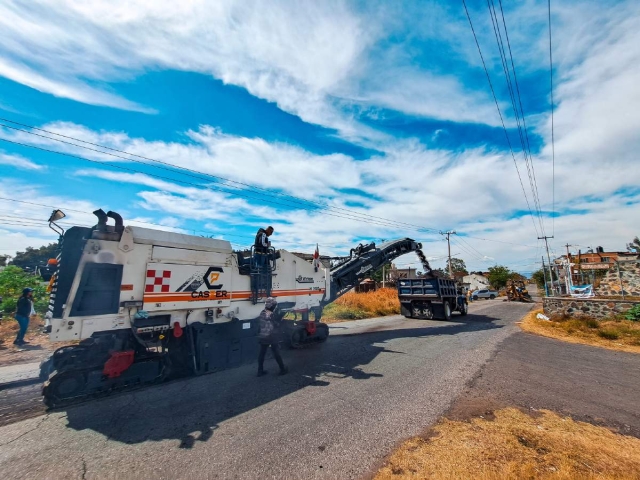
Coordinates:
148 305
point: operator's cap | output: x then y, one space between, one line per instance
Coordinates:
270 303
27 290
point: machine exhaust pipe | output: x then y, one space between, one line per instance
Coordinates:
102 220
119 228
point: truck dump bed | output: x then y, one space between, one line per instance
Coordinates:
430 298
431 288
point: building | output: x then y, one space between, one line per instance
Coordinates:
475 281
585 265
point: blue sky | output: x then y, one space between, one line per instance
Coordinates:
380 111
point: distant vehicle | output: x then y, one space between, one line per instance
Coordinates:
490 294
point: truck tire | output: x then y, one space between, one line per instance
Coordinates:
447 311
492 296
475 299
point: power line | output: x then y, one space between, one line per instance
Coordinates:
534 185
172 167
495 99
512 94
382 223
553 148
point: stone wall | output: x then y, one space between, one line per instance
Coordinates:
630 276
594 307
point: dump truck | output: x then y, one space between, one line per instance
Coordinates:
431 298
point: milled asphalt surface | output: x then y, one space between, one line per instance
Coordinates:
340 410
587 383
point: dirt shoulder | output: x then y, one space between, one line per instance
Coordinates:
621 335
522 416
38 349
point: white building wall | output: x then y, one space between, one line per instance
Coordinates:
476 282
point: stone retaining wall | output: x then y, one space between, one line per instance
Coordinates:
629 276
594 307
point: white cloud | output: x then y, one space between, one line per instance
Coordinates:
19 161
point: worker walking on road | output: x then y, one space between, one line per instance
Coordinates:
23 311
269 329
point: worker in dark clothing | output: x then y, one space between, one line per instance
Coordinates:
269 332
262 243
262 260
23 311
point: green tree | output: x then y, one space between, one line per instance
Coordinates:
377 274
12 281
439 272
458 265
34 256
498 276
542 276
539 277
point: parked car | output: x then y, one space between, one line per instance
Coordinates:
490 294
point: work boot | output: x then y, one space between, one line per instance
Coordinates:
262 373
284 371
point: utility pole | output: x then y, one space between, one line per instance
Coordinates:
553 290
448 234
383 274
544 274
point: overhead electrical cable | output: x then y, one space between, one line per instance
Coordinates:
512 94
382 223
524 121
172 167
553 148
500 114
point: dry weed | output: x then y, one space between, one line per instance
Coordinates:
515 446
353 306
614 334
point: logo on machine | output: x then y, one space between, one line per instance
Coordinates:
301 279
212 276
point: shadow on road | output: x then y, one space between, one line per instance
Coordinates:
190 410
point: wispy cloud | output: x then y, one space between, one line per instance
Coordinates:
19 161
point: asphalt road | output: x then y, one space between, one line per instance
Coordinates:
587 383
340 410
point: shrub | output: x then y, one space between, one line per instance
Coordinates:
592 323
609 334
633 313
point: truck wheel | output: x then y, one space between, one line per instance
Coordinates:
447 311
475 299
491 297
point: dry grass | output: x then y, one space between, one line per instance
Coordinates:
354 306
614 334
515 446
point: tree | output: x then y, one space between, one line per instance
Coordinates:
634 246
439 272
458 265
541 277
498 276
32 257
377 274
12 281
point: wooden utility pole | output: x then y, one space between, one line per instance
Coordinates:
448 234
